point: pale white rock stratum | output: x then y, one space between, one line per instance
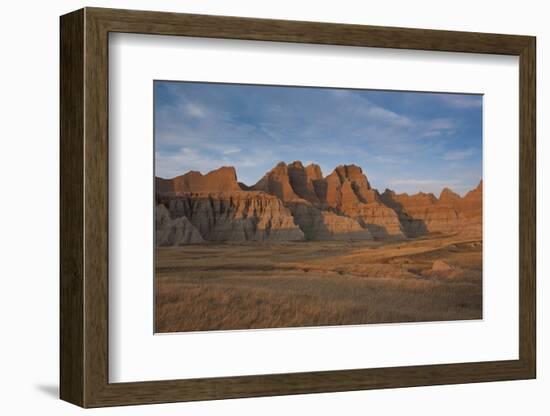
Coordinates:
236 216
174 232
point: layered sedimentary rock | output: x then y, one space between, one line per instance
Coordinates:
222 209
295 202
223 179
472 202
349 193
380 220
301 190
174 232
412 226
235 216
302 179
447 196
471 207
277 182
358 182
318 224
424 213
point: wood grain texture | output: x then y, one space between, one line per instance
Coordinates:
528 207
96 217
84 202
71 213
162 23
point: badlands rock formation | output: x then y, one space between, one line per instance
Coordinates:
294 202
423 213
223 179
174 232
320 224
217 207
471 207
349 193
303 191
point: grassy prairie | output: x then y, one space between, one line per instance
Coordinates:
291 284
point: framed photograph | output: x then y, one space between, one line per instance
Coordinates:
255 207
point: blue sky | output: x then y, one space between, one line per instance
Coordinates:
405 141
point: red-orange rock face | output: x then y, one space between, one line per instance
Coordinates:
472 202
277 182
423 213
349 193
295 202
471 207
304 191
301 180
223 179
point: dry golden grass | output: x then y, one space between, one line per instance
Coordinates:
245 286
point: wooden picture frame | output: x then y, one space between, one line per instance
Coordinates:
84 207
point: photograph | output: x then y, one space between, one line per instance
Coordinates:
281 206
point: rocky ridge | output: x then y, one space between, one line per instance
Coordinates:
293 202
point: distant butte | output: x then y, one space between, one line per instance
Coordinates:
296 202
223 179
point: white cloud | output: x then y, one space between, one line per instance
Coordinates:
462 101
231 150
409 181
169 165
437 127
210 131
458 154
250 168
381 115
194 110
435 186
441 124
